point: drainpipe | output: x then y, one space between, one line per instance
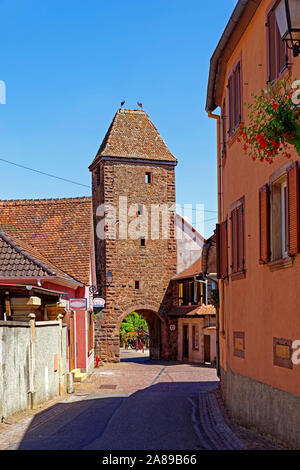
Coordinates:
220 310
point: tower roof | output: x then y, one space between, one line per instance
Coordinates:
132 135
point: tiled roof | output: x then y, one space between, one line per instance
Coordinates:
58 229
17 259
190 272
133 135
193 310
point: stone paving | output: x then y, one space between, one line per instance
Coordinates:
142 381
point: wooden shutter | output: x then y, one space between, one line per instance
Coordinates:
230 104
234 240
222 250
271 47
237 94
264 224
293 209
240 240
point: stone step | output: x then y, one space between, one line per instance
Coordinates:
80 377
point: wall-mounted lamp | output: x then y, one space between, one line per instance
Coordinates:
288 19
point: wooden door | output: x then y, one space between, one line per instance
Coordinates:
185 345
206 348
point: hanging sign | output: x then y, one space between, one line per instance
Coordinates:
98 302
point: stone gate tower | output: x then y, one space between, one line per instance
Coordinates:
133 173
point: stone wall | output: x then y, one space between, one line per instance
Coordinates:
152 265
262 407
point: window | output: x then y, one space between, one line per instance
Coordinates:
140 209
277 50
234 99
284 218
279 216
143 241
191 293
136 285
237 238
195 337
148 178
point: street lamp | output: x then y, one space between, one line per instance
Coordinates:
109 277
288 19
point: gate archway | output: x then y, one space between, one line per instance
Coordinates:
155 323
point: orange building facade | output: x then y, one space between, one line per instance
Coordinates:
258 234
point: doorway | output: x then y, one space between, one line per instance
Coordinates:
206 348
185 345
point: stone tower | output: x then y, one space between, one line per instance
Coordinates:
133 174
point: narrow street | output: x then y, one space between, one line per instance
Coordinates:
136 405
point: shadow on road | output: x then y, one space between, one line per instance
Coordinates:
107 421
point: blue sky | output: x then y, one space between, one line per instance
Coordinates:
68 64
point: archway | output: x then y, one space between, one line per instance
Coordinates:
154 323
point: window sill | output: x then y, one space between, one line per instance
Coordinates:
238 275
282 263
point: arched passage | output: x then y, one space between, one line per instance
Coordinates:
155 323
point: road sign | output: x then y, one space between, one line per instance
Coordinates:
78 304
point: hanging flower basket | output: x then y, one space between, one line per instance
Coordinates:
274 123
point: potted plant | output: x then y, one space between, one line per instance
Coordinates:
274 122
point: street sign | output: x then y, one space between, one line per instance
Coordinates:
78 304
98 302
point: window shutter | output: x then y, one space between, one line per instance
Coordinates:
264 224
230 104
240 241
272 46
237 94
293 209
234 240
222 250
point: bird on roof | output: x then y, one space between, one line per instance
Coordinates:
122 103
139 104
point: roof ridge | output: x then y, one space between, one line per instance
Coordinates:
47 200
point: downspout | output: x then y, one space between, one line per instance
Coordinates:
219 311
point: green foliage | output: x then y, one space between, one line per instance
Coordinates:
133 322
